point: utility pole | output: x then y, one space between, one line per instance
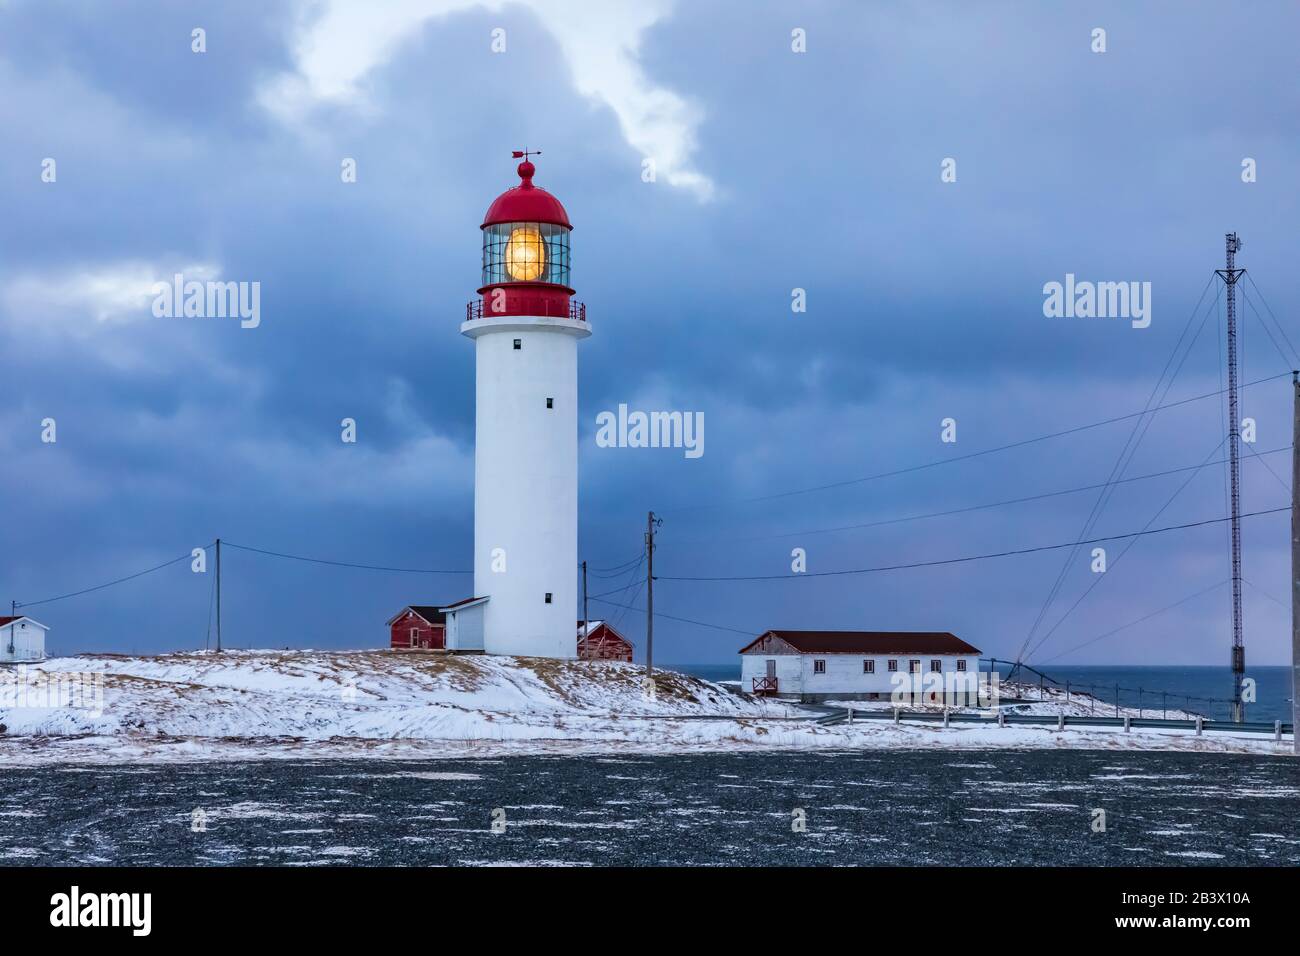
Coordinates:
651 523
218 595
585 623
1295 562
1230 275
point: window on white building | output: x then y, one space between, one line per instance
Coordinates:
868 667
961 665
914 667
819 667
936 666
892 666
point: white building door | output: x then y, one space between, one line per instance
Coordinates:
771 668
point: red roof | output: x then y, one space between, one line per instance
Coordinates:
5 619
429 613
526 203
870 642
599 631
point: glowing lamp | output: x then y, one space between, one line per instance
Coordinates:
525 254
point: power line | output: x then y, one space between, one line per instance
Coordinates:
618 618
976 454
635 579
99 587
684 620
617 570
1267 595
1267 331
968 558
632 578
1097 579
630 583
1280 327
1126 456
339 564
982 507
1145 617
1285 487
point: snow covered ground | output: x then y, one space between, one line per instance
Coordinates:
330 704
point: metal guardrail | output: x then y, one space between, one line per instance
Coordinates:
532 306
1061 721
1090 688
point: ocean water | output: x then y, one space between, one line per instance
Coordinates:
1202 690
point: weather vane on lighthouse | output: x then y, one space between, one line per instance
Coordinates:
525 328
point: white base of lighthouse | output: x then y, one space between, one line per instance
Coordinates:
526 482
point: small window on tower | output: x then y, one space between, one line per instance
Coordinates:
548 597
519 343
550 403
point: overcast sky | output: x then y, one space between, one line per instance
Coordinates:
775 170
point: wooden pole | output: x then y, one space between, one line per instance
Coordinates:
1295 562
218 595
585 622
650 596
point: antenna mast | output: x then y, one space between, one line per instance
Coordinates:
1230 275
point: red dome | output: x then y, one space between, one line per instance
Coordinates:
526 203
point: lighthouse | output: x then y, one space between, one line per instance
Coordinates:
525 327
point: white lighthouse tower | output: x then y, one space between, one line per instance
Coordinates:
525 330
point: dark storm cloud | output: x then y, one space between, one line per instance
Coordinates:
924 301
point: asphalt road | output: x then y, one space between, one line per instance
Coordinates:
877 808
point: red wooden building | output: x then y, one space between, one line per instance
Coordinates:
602 643
419 626
424 627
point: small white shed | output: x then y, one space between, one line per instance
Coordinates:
465 624
21 639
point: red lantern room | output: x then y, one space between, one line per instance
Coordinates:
526 254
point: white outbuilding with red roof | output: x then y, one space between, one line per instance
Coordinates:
21 639
813 666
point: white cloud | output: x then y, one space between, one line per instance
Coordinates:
600 41
105 310
104 293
